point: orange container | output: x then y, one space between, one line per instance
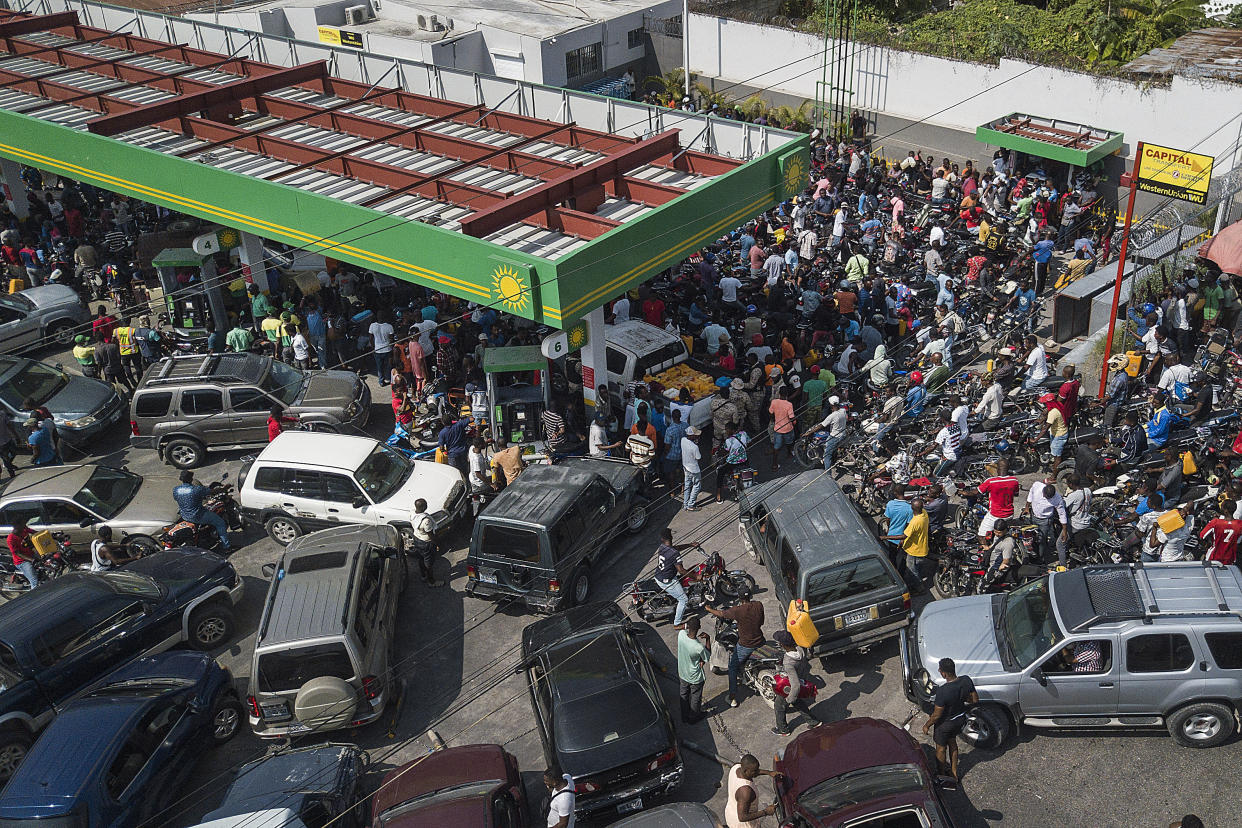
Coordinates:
800 625
1170 521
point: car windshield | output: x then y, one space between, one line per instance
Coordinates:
30 384
285 670
17 302
1027 623
847 580
453 793
383 472
108 491
283 382
861 786
610 715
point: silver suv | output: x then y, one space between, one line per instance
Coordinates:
323 655
187 405
1127 646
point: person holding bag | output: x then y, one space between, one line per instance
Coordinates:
735 457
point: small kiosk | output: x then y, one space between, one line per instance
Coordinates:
194 301
518 391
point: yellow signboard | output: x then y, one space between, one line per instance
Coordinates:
340 37
1172 172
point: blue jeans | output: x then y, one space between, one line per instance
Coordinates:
739 656
215 522
1031 382
676 591
320 341
946 465
27 569
694 482
830 451
382 361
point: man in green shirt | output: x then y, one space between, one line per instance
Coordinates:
814 388
938 375
239 339
1024 206
858 267
1213 298
259 304
693 650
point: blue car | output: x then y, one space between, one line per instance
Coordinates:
133 741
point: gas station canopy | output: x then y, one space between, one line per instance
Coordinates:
1064 141
541 218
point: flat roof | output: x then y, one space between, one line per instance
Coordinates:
1051 138
462 186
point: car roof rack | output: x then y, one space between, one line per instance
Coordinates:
1144 592
221 368
1151 604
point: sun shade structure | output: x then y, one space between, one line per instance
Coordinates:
1055 140
544 218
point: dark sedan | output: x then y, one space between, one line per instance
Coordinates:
478 786
860 773
600 715
134 740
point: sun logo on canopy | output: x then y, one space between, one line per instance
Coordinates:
509 287
795 175
577 336
228 238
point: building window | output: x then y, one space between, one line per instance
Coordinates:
635 38
584 61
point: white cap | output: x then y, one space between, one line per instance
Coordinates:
834 400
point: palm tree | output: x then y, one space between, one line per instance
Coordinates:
707 97
671 85
1179 16
753 107
795 119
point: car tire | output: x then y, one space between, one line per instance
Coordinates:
284 530
579 587
1202 725
636 519
15 742
211 625
185 453
407 537
987 728
62 331
226 718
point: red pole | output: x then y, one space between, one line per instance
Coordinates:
1121 264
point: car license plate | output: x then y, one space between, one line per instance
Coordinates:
856 617
632 805
275 712
487 576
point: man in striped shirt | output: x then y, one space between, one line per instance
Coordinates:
949 439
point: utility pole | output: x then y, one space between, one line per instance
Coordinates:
685 42
1121 266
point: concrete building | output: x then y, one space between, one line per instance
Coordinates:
571 43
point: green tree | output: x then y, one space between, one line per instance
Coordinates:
707 97
1234 18
670 86
794 118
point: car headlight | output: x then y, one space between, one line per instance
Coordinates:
351 410
81 422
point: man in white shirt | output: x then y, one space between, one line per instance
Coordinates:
949 440
712 334
425 329
936 236
933 261
690 457
729 286
1036 364
838 227
960 415
562 801
1046 505
1179 373
939 189
381 335
597 439
992 403
807 240
836 422
621 309
301 349
774 265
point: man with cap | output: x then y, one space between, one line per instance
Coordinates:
84 353
795 668
836 423
1056 427
1117 393
690 464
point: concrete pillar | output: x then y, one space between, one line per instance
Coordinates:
594 358
14 188
254 267
215 299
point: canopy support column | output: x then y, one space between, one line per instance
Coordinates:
14 188
594 359
254 268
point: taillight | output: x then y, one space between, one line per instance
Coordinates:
472 572
254 707
371 687
554 585
133 427
581 787
663 759
905 600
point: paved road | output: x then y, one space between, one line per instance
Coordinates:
458 654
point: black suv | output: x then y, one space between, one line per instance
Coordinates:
188 405
58 640
539 538
600 715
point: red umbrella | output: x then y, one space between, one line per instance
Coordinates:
1225 248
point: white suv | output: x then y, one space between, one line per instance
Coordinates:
304 481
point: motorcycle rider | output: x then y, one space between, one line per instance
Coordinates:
1133 439
748 613
991 404
1117 395
1160 426
794 666
1003 549
22 550
105 554
669 573
190 496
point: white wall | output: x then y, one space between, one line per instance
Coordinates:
915 86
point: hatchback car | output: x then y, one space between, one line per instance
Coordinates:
77 500
134 741
857 773
81 407
475 785
309 787
186 406
41 316
305 481
599 711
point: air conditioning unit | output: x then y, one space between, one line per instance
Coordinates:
356 15
433 23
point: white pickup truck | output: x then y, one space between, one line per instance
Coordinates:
638 351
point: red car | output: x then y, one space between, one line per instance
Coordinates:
475 786
857 773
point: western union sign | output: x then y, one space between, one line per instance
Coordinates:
340 37
1171 172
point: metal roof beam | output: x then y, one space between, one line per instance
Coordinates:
578 223
568 186
60 93
40 23
223 99
135 76
641 191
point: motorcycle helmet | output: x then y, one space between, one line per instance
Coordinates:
1148 308
751 309
56 274
916 377
1002 446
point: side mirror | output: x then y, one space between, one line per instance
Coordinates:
1039 676
358 502
269 569
86 523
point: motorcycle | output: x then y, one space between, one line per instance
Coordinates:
203 535
706 583
14 583
964 570
761 670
